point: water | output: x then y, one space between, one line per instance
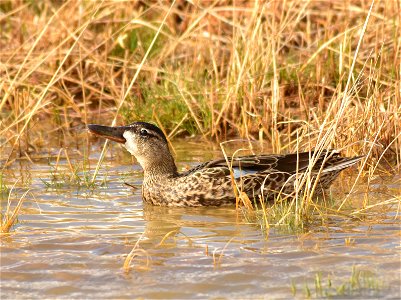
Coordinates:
71 242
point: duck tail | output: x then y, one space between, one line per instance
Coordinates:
342 164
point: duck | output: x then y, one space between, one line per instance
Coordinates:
219 182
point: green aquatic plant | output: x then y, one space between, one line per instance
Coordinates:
282 214
4 190
77 178
72 174
360 283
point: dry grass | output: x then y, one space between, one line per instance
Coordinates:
135 251
277 70
299 74
8 216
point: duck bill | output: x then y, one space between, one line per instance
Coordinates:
111 133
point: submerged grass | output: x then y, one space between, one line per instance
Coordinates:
78 174
360 283
278 71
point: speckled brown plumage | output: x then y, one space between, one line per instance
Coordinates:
210 183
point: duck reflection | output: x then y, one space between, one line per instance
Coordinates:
186 233
194 222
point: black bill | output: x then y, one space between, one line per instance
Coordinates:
111 133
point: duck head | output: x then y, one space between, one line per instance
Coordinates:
145 141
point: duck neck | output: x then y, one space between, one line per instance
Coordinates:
162 168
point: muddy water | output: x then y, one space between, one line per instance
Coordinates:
71 242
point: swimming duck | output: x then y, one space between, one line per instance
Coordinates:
211 183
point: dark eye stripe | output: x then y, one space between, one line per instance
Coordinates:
151 134
146 133
152 130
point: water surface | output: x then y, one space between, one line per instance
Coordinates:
71 242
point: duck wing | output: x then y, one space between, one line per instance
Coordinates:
265 163
260 163
275 173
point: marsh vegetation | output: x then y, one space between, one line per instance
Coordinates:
279 76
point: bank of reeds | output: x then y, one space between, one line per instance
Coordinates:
300 75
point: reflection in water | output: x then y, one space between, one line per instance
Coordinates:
162 220
71 243
201 228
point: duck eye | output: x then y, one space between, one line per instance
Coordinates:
143 132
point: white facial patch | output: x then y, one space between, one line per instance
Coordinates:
130 144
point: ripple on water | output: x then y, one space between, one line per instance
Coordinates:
71 243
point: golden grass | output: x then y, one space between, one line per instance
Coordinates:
283 70
9 215
135 251
300 75
218 257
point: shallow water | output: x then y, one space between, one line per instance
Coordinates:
71 242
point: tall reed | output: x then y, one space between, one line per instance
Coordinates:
298 74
